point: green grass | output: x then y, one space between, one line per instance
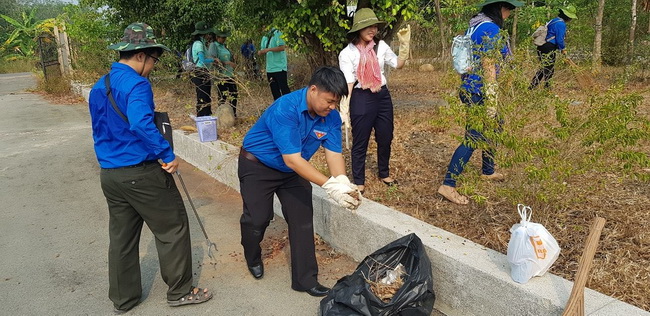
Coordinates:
20 65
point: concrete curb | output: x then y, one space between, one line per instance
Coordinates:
469 279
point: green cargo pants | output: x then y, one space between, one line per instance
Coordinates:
145 193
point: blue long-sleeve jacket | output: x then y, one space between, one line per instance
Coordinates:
556 32
118 143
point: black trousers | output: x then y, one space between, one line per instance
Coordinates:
258 184
278 83
546 55
137 195
203 83
228 93
370 111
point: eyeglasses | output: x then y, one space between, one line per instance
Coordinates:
155 59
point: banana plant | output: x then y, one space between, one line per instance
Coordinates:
21 42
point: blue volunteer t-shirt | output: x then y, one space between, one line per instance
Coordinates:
286 127
486 37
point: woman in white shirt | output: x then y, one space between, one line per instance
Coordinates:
370 104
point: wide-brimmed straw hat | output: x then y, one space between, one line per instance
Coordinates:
363 18
202 28
513 2
137 36
569 11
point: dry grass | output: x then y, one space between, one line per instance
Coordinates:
426 134
57 89
385 292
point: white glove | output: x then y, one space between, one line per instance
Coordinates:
404 36
355 190
491 99
338 192
344 110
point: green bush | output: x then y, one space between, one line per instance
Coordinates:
557 141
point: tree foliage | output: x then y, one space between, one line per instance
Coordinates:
173 20
317 28
90 32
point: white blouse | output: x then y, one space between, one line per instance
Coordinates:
349 61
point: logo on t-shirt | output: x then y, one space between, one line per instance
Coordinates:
319 134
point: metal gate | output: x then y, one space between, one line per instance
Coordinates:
48 52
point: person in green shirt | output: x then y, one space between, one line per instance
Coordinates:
272 46
226 82
200 76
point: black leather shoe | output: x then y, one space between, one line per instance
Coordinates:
391 183
318 290
257 271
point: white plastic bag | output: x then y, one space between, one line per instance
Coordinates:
531 250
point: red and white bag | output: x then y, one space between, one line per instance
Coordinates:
531 250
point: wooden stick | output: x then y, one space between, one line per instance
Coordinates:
576 304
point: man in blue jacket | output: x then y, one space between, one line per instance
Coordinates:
137 188
547 53
274 160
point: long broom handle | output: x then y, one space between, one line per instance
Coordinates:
575 305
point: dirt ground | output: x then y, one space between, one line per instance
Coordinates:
425 138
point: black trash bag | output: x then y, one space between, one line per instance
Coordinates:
352 295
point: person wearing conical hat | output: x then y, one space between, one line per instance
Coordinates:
478 90
226 84
200 76
138 189
369 104
547 53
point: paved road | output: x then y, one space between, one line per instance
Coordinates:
53 227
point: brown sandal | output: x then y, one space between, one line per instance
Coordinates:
195 296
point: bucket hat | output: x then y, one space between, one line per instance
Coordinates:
202 28
137 36
363 18
513 2
222 32
569 11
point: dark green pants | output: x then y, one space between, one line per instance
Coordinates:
147 194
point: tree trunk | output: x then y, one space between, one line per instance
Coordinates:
645 5
598 40
513 37
441 26
363 4
630 52
318 56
